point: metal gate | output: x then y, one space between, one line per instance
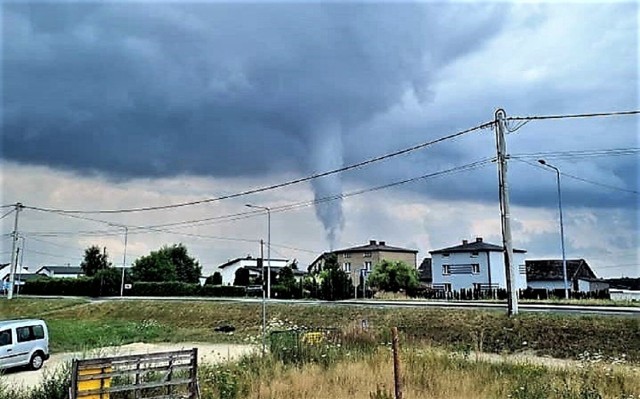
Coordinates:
164 375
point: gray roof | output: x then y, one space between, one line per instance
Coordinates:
475 246
232 261
375 246
551 270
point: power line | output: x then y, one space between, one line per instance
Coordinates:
280 185
7 214
578 153
276 209
583 179
570 116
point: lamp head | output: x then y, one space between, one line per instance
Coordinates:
542 161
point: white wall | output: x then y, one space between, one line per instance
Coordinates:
491 270
229 272
624 295
548 285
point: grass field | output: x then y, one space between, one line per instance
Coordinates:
78 324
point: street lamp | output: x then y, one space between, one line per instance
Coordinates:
268 245
264 302
564 258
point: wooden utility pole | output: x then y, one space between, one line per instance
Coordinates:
505 215
397 377
14 255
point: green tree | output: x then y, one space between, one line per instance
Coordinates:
94 260
393 276
335 284
169 263
241 277
214 279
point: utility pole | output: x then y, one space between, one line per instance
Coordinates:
264 303
21 263
124 260
14 257
505 216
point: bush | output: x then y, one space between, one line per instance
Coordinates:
168 288
215 279
223 291
82 286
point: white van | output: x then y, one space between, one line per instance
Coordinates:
23 343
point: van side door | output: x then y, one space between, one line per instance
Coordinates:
24 344
7 356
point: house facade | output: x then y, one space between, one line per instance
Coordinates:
60 271
549 274
362 259
228 270
475 265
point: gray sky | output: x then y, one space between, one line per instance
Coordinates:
123 105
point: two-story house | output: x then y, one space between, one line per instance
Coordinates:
475 265
362 259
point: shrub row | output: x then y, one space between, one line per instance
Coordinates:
97 286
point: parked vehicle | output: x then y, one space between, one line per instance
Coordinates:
23 343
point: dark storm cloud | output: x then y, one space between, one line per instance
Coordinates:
152 89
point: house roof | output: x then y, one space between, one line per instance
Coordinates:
296 272
62 269
375 246
551 270
475 246
236 260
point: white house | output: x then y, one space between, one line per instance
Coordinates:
228 269
22 274
474 265
60 271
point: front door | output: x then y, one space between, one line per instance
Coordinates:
7 355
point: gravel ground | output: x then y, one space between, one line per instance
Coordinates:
207 353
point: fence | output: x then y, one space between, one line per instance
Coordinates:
165 375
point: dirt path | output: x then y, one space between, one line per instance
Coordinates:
207 353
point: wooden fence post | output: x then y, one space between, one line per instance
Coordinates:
397 378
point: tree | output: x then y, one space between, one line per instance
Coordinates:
167 264
242 277
214 279
393 276
94 260
335 284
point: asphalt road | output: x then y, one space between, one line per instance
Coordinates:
633 311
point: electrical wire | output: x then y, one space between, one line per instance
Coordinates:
578 153
279 185
571 116
7 214
583 179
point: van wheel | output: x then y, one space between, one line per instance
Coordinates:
36 361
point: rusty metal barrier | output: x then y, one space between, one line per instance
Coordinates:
164 375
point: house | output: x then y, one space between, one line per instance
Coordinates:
22 274
475 265
425 275
60 271
228 270
548 274
356 260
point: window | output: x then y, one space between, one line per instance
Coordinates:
346 266
24 334
477 286
446 269
367 266
367 254
5 337
445 255
447 287
474 254
346 255
38 332
475 268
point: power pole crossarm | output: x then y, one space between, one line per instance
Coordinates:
505 215
14 257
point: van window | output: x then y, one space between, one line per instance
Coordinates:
5 337
24 334
38 332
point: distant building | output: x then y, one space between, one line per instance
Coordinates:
22 274
475 265
354 260
60 271
228 270
425 275
548 274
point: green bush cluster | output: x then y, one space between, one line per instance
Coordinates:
104 283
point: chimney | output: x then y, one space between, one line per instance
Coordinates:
478 239
465 242
372 242
382 243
